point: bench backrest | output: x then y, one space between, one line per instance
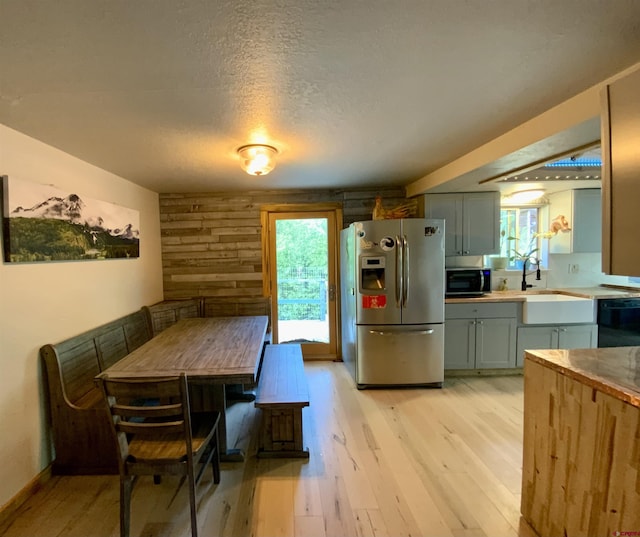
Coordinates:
164 314
73 363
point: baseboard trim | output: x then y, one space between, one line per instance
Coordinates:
449 373
9 509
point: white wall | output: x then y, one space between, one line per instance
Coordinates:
589 272
557 275
48 302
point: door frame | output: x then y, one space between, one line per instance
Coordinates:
273 209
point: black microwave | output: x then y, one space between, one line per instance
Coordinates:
467 281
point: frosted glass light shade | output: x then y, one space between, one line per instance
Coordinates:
257 159
525 196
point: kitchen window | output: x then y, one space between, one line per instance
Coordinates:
523 223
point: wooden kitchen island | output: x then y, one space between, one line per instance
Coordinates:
581 460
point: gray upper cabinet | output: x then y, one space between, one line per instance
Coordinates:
583 211
472 221
621 173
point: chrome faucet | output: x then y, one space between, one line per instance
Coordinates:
535 261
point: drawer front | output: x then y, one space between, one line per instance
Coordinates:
484 310
401 354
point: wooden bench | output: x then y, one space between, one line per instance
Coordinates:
80 420
167 313
282 393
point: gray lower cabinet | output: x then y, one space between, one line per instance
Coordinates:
577 336
480 336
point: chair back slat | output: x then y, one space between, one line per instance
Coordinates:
153 410
147 408
145 429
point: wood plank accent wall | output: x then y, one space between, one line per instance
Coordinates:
211 242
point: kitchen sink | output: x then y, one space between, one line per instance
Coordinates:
557 309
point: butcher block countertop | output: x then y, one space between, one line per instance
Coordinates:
614 371
519 296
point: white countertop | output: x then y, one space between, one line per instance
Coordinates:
600 292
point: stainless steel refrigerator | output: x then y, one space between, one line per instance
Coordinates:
392 302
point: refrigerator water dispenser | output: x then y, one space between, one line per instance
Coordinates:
372 273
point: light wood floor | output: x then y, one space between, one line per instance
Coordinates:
410 462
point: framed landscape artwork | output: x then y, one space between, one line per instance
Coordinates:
43 223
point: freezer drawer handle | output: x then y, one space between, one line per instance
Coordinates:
403 332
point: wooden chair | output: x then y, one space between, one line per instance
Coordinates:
156 435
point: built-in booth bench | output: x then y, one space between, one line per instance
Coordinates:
165 314
79 417
281 395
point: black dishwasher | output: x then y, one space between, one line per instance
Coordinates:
619 322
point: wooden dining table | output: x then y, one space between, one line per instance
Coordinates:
212 352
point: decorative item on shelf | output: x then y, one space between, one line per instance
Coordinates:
559 223
257 159
404 210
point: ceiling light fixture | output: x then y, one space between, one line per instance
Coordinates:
525 196
257 159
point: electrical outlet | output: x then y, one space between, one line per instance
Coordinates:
574 268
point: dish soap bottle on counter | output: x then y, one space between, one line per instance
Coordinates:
503 285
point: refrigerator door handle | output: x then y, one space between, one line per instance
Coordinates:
405 270
403 332
399 264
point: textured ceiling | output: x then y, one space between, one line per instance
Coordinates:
352 92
